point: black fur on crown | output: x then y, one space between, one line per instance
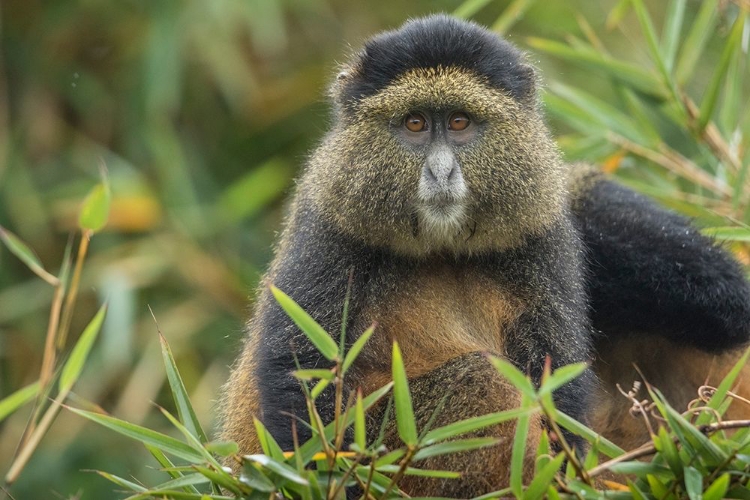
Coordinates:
439 41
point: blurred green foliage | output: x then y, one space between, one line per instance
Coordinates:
203 111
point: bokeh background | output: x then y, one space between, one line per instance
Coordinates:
203 112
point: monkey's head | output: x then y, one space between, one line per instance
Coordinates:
438 144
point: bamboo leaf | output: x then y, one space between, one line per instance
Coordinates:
470 7
455 446
543 478
693 483
692 47
671 34
514 375
11 403
360 431
606 115
267 443
712 92
255 479
718 488
179 393
277 467
411 471
123 483
518 453
617 14
317 335
26 255
95 209
725 386
313 375
146 436
604 445
629 74
510 16
728 233
74 365
356 348
407 429
562 376
475 423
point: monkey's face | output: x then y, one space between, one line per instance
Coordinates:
436 161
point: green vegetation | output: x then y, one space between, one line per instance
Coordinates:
189 120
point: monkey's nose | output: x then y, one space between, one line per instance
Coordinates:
441 178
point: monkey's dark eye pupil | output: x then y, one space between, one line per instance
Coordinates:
458 121
415 122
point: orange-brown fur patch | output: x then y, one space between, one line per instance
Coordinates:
677 371
440 315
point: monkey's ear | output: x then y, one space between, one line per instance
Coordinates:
527 84
346 73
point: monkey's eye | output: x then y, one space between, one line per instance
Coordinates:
458 121
415 122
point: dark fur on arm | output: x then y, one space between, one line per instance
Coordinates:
652 271
314 272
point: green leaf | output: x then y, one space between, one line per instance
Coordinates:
317 335
411 471
629 74
123 483
313 375
692 46
728 233
221 478
223 448
279 468
518 454
638 494
602 113
669 450
647 26
470 7
356 349
717 489
360 431
251 193
721 392
604 445
267 443
514 375
319 388
11 403
26 255
183 481
146 436
255 479
712 92
407 428
455 446
658 488
562 376
475 423
543 478
74 365
179 393
168 466
617 14
510 16
640 469
95 209
671 35
693 483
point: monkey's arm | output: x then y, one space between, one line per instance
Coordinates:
313 269
650 270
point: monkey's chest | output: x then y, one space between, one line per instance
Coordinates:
440 313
